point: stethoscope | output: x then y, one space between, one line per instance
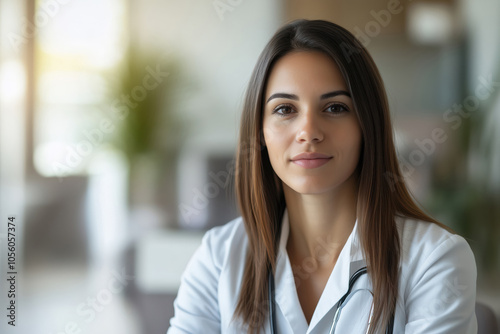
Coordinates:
341 303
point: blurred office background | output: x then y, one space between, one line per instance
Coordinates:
118 127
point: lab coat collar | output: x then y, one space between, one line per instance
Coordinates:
350 259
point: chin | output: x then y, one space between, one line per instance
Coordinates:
311 190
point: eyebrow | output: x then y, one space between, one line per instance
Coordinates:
295 97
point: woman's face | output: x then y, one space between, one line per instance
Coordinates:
308 110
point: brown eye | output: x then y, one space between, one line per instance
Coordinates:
283 110
337 108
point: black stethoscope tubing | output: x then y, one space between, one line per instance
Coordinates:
352 280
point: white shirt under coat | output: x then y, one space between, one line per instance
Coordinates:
437 285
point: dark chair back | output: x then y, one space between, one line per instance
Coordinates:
487 322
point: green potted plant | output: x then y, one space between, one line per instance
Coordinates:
149 132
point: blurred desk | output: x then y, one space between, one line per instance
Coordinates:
162 257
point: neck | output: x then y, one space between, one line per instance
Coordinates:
320 224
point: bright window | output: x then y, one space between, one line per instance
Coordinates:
79 45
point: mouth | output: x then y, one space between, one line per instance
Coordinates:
311 156
311 163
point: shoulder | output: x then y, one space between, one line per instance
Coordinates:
437 279
430 253
198 306
226 240
421 240
231 229
218 246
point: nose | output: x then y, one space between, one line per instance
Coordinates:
309 129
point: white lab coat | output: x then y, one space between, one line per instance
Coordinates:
437 286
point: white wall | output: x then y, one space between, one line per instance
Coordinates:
219 49
482 24
483 27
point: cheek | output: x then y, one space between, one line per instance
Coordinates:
271 133
351 138
275 144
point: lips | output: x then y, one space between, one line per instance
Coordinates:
311 159
310 156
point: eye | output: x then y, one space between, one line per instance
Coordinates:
283 110
337 108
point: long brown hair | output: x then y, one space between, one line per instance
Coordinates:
382 194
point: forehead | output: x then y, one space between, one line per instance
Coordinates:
312 71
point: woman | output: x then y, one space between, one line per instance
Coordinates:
323 202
